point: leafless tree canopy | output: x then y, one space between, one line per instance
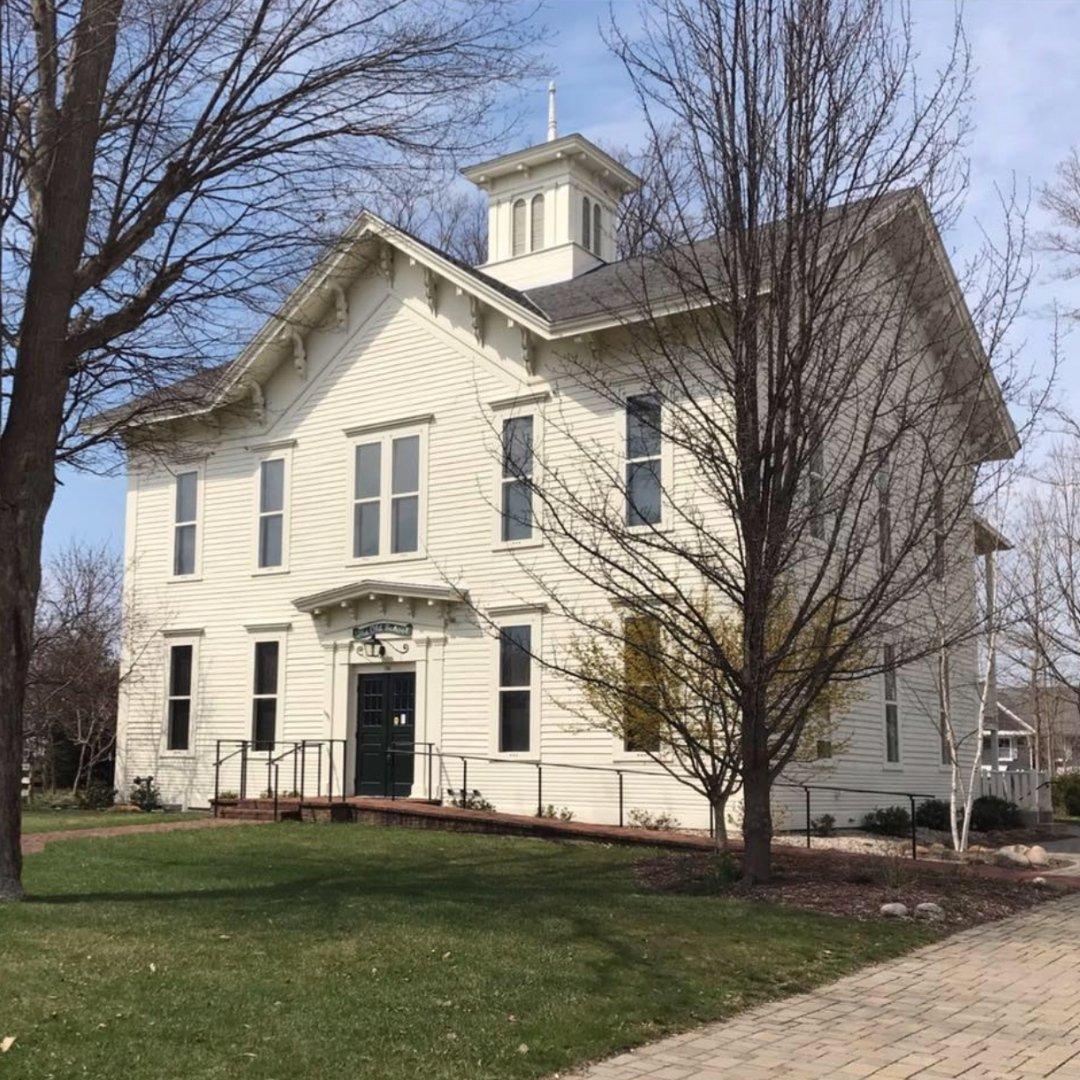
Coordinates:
75 670
812 356
1062 199
168 168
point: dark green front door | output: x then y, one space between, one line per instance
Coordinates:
385 722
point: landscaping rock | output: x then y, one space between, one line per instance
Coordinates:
929 911
894 911
1014 855
1039 882
1038 856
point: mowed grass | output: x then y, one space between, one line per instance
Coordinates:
324 951
39 821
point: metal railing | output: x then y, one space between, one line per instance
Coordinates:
298 753
253 755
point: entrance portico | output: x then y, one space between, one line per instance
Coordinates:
385 645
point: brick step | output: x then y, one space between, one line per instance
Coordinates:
246 813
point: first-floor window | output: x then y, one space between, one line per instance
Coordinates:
265 696
515 688
892 706
178 720
642 719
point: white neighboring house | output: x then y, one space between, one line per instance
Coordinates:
328 486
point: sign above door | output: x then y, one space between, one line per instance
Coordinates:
380 627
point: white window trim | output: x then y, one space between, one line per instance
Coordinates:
502 413
534 620
282 639
385 433
169 638
886 764
199 468
283 453
667 464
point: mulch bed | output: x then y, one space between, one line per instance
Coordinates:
856 886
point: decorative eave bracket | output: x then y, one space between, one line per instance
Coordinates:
431 289
476 317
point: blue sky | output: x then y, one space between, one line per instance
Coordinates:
1027 99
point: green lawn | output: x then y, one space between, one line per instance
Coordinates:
326 951
39 821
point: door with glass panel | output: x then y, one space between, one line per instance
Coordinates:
385 733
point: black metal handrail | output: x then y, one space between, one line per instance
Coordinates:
621 772
298 751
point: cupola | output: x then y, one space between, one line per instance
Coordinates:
551 208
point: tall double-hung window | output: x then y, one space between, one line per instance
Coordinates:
271 541
644 460
387 496
186 523
892 705
180 693
517 686
265 693
516 512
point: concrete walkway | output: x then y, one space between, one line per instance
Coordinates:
1001 1000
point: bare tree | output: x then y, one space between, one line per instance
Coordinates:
75 667
810 411
166 166
1062 200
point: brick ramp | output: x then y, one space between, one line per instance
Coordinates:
35 842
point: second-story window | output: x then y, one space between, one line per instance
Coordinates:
271 513
517 468
892 706
387 498
643 460
882 481
816 476
186 519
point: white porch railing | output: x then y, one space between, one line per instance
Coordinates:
1025 787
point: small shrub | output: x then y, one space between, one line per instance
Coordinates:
887 821
223 795
642 819
562 813
933 814
990 813
824 825
1065 792
145 794
894 872
60 799
469 800
97 796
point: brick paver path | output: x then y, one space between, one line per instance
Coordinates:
1001 1001
34 842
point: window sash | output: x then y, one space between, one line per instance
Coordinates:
185 523
271 551
179 697
517 468
644 460
266 682
892 706
515 688
386 505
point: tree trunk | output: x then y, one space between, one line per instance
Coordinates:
757 825
720 833
39 388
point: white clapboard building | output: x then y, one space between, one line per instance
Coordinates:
306 565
